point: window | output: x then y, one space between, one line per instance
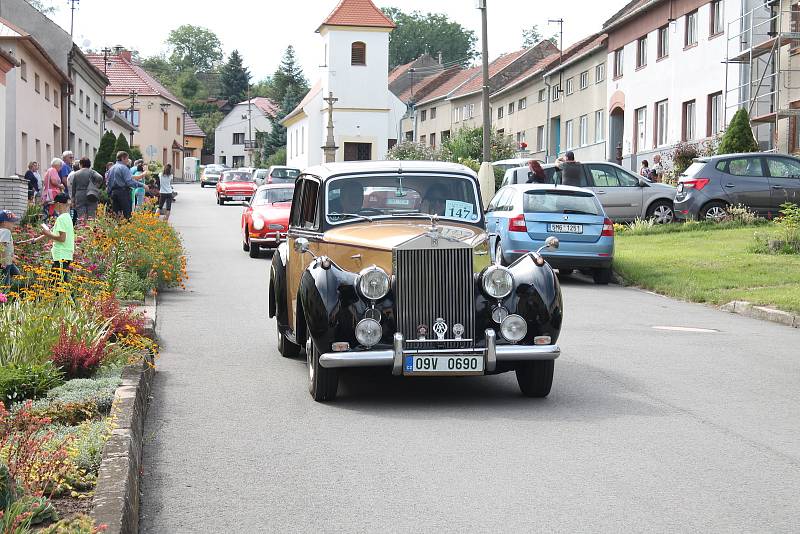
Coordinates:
583 131
540 138
433 113
570 86
690 35
456 114
744 167
423 139
584 80
55 98
568 131
688 128
410 135
471 110
178 125
523 103
599 126
663 42
80 101
520 138
96 113
662 110
783 167
166 120
500 110
715 114
358 53
717 20
641 130
641 52
445 135
423 116
23 70
511 108
556 90
605 175
302 139
464 112
542 95
618 58
132 116
600 73
238 161
88 107
36 81
238 138
433 140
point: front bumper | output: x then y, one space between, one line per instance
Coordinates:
270 239
492 354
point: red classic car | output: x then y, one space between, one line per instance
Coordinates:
266 218
237 186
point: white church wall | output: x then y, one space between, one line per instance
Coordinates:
360 127
357 86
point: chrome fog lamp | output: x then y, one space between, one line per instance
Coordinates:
368 332
513 328
373 283
258 223
497 282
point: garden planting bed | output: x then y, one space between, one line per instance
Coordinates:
75 366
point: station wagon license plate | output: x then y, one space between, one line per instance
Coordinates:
566 228
238 197
443 365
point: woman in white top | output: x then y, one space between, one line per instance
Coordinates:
165 192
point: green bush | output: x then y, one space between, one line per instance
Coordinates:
80 524
467 144
32 215
278 158
99 391
411 151
105 153
88 439
19 382
132 286
739 135
121 144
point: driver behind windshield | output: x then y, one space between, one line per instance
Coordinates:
435 200
351 198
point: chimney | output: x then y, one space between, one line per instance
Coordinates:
123 53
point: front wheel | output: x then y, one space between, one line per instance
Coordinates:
602 275
498 254
254 250
661 212
536 378
322 383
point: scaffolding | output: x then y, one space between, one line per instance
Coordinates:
760 47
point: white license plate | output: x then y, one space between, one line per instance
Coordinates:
239 198
566 228
424 365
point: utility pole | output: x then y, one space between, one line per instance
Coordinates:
487 118
330 142
133 94
106 52
249 145
72 17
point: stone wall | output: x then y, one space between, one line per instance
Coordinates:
14 194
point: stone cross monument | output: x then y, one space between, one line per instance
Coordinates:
330 142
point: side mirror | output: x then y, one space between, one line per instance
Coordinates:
301 245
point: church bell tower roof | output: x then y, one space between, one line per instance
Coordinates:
357 13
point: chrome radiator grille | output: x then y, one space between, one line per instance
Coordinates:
433 284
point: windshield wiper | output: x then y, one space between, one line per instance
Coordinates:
355 215
579 212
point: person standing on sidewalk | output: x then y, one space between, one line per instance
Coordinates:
86 184
52 186
165 192
67 159
120 185
657 174
63 237
7 267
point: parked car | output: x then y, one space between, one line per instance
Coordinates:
625 196
761 182
260 176
505 164
210 174
520 218
280 174
407 286
266 218
235 185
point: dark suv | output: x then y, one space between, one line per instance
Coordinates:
761 182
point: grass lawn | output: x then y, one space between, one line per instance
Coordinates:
709 265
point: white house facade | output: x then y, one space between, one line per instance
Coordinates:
366 115
232 138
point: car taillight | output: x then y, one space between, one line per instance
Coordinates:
269 179
517 224
696 183
608 228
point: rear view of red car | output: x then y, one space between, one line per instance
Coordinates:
236 186
266 218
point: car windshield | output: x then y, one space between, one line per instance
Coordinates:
560 201
368 197
286 173
237 176
273 196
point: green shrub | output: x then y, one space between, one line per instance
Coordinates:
411 151
32 215
99 391
80 524
739 135
105 153
742 214
88 440
278 158
132 286
121 144
467 143
20 381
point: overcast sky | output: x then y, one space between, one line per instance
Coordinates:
262 30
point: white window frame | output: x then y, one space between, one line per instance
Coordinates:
599 126
584 83
540 138
569 134
641 129
619 62
716 114
689 120
523 103
690 32
663 42
600 73
570 86
641 52
662 123
583 130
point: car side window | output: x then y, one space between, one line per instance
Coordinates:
783 167
745 167
308 213
625 179
504 202
493 204
297 204
604 175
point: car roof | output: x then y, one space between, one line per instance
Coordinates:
706 159
329 170
548 187
286 185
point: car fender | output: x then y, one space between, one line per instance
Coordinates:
653 200
277 287
536 298
329 302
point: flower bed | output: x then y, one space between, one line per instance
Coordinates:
63 346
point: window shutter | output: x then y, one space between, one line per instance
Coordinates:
358 54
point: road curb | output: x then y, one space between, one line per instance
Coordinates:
116 497
763 313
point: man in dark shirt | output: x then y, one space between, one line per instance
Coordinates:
120 184
571 170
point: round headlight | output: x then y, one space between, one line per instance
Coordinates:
258 223
373 283
368 332
513 328
498 282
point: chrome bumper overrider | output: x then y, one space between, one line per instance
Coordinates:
394 358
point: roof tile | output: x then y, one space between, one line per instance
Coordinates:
125 76
358 13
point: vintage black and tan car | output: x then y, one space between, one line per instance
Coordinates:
387 264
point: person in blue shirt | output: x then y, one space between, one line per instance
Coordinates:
120 184
68 159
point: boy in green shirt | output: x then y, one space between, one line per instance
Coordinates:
62 235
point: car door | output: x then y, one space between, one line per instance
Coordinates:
784 181
495 210
304 221
744 180
618 191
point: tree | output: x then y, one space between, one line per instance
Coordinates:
532 36
466 145
195 48
208 123
235 78
289 74
418 33
188 84
105 152
45 8
277 135
739 135
121 144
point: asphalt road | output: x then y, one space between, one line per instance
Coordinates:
646 429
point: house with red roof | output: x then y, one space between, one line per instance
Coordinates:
235 136
157 114
366 114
